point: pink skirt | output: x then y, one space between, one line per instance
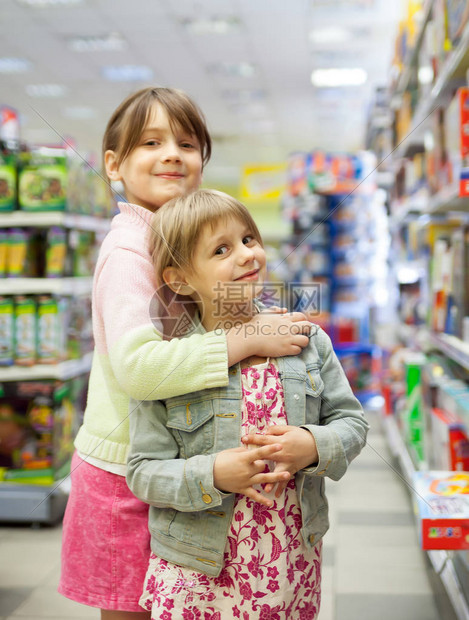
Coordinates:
105 543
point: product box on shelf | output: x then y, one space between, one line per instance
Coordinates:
457 141
413 416
441 500
38 422
449 444
7 182
43 180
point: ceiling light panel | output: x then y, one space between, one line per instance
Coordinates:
111 42
233 69
14 65
202 26
40 4
46 91
127 73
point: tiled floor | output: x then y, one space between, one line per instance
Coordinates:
372 569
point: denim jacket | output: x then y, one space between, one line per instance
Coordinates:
173 445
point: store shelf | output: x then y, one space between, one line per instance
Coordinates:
54 218
412 54
44 286
32 503
453 69
446 200
452 347
441 561
62 371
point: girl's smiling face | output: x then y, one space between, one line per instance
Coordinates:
228 271
166 163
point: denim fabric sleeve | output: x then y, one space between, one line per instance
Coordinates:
156 474
341 433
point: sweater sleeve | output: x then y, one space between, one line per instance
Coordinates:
146 366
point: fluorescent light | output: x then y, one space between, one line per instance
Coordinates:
330 78
46 3
82 113
233 69
14 65
112 42
211 25
46 90
329 35
127 73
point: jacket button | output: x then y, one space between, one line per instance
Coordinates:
311 539
296 397
206 498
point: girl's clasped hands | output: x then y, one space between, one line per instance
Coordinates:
237 470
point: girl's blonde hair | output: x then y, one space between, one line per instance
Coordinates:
129 120
177 225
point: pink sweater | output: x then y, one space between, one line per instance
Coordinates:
130 358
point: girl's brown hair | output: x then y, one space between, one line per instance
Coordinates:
176 226
128 121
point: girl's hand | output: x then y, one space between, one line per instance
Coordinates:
237 470
298 450
279 333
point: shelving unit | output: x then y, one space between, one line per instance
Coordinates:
36 502
417 208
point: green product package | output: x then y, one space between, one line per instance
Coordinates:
414 422
7 183
42 180
7 331
25 330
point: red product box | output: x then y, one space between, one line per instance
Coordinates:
442 505
449 442
457 140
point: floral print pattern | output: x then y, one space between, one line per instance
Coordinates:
269 573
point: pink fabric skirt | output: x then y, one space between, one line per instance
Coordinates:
106 543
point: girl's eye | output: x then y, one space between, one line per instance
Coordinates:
248 239
221 250
151 142
187 145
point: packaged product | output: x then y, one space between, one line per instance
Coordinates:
7 182
457 15
24 258
56 252
457 141
42 180
7 331
25 330
441 501
48 330
3 251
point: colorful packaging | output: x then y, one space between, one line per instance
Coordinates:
413 414
17 252
25 330
42 180
7 331
3 252
457 140
449 442
7 182
48 330
56 252
441 501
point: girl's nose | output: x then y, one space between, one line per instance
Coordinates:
246 254
171 152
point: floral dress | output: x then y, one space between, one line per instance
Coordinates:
269 574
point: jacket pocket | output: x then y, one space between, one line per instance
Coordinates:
192 423
314 387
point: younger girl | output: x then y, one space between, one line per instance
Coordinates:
223 547
156 143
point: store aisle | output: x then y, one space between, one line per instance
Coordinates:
373 568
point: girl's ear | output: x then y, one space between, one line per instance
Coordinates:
176 281
112 167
